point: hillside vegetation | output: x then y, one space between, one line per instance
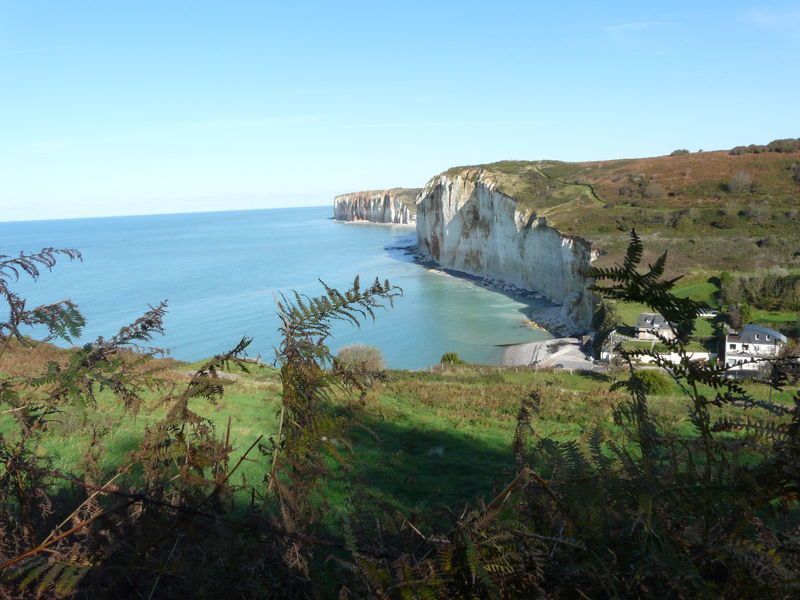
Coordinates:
737 210
407 196
327 476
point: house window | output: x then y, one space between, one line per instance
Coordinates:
732 347
756 336
745 346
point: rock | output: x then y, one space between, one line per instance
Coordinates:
465 224
381 206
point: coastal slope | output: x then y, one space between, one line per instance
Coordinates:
396 205
717 210
465 223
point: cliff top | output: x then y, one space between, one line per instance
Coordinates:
723 209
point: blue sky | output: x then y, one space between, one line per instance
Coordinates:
112 108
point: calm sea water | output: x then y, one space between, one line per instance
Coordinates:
220 273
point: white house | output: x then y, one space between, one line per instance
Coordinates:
675 358
747 351
649 326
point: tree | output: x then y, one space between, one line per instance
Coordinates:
746 313
605 321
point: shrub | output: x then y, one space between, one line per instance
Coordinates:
740 182
605 321
684 219
776 289
640 186
652 190
679 152
795 171
682 223
784 145
654 382
724 223
451 358
760 213
361 359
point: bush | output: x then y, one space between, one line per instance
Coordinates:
652 190
795 171
679 152
654 382
640 186
738 315
760 213
775 289
451 358
682 223
361 359
740 182
785 145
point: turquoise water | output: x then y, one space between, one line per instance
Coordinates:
220 273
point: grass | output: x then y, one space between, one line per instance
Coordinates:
774 317
427 440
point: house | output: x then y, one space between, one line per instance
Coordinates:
748 350
653 326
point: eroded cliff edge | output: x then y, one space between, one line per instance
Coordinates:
396 205
464 222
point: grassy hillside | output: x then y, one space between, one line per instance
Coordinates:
711 210
428 440
407 196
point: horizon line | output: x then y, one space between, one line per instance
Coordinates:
158 214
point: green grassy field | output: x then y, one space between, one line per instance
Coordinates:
425 440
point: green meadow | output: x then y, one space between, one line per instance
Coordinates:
421 441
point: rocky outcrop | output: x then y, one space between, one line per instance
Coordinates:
465 223
378 206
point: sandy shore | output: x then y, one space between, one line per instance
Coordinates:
565 352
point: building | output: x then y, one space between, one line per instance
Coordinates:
747 351
653 326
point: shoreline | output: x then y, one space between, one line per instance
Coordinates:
546 315
366 222
557 353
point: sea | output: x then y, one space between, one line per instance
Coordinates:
222 272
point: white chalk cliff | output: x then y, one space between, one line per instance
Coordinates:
465 223
382 206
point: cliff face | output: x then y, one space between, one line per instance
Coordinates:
382 206
465 223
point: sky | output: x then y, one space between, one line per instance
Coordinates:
117 108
